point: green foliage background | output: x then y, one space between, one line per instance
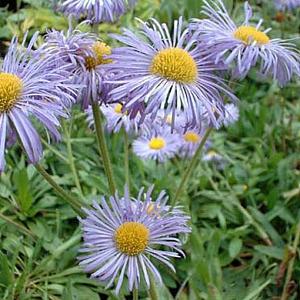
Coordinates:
244 218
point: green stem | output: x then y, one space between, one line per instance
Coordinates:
126 160
285 295
135 294
191 167
103 151
152 291
71 158
75 204
17 225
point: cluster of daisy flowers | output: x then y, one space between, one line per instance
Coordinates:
167 89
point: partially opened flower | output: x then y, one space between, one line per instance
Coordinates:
159 70
190 139
246 46
30 87
232 114
286 4
116 118
85 56
122 236
96 11
156 142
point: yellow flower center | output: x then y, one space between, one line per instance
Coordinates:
191 137
10 90
132 238
157 143
100 50
249 34
118 108
175 64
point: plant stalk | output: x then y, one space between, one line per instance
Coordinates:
191 167
75 203
102 147
126 160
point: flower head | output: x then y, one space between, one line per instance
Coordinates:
96 11
116 118
156 142
85 56
31 87
286 4
123 235
159 70
245 45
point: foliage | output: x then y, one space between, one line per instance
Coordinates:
244 216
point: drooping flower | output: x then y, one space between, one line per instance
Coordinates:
85 56
122 236
31 87
96 11
116 118
156 142
284 5
246 46
157 70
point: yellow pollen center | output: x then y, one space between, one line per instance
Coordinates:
118 108
10 90
157 143
100 50
249 34
175 64
191 137
132 238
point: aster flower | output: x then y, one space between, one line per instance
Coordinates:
232 114
116 118
190 139
157 70
286 4
156 142
246 46
122 236
216 158
96 11
85 56
30 87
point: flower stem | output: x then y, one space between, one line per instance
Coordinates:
152 291
75 204
135 294
286 294
103 147
71 159
191 167
126 160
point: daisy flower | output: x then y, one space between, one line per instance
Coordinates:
156 142
30 87
116 118
85 56
96 11
123 235
286 4
159 70
245 46
190 140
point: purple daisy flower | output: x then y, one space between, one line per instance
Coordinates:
30 87
156 142
85 56
246 46
116 118
122 236
190 139
286 4
96 11
157 70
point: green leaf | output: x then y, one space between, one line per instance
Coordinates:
235 247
